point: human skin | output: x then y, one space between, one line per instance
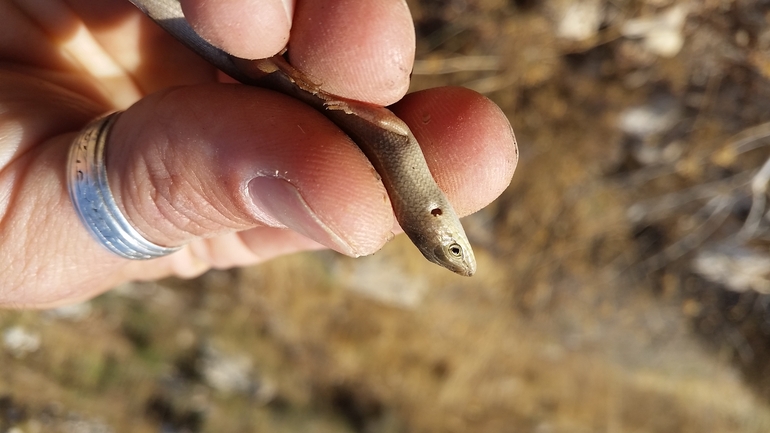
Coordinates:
237 174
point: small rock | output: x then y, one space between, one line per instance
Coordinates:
738 268
19 342
652 118
667 153
85 426
226 373
581 20
395 286
660 34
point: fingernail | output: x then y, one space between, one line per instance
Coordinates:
282 202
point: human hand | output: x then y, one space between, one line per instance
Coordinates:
195 164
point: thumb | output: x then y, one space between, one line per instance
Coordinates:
191 166
209 160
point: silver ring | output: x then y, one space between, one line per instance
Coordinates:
90 194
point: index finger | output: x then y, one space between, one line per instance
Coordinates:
357 49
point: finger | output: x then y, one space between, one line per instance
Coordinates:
222 252
244 28
36 106
186 164
136 46
208 160
467 141
24 41
361 50
357 49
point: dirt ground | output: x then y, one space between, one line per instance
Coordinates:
623 277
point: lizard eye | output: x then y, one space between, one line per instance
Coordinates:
455 250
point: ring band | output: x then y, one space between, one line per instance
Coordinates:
95 205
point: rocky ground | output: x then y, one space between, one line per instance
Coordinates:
623 277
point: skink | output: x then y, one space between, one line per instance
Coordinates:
421 208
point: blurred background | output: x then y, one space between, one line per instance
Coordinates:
623 277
